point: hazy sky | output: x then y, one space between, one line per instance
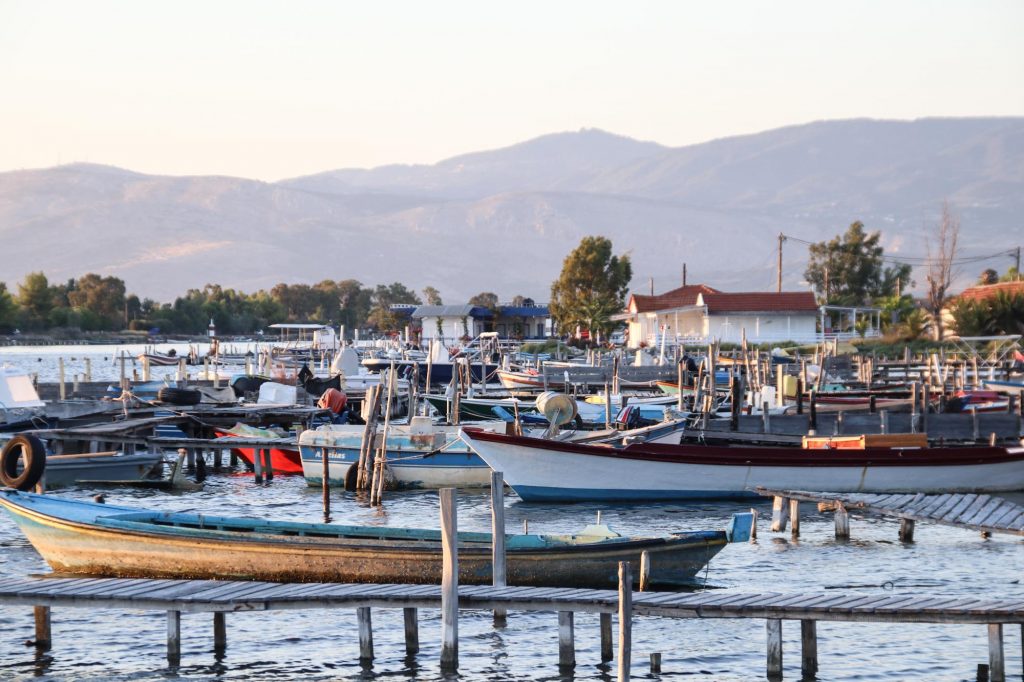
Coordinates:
277 89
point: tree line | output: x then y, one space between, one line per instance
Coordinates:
94 303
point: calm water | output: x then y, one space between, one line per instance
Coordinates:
321 645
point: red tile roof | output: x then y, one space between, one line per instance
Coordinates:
677 298
986 291
758 302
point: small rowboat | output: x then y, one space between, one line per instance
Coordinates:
105 540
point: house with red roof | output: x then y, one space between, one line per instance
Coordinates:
697 313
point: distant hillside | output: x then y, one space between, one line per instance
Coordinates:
503 220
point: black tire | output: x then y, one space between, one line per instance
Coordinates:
32 453
179 396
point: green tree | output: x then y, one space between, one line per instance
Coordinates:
35 297
591 287
486 299
384 296
432 296
8 310
988 276
101 296
999 314
849 270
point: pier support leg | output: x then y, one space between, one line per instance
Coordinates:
174 637
774 631
220 632
365 634
566 640
412 631
268 469
794 518
808 648
655 663
780 514
606 637
842 522
906 530
449 582
625 619
218 455
190 462
645 570
257 464
996 662
43 637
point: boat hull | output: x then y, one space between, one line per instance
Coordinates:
65 470
546 471
72 546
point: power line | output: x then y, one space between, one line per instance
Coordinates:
924 260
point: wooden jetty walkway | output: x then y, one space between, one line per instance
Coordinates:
985 513
222 597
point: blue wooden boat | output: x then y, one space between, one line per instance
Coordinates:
419 455
106 540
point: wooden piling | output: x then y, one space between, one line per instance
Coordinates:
794 517
410 615
753 525
173 637
625 619
842 519
449 581
220 632
608 407
498 575
645 570
996 662
906 530
808 648
257 465
780 514
655 663
44 640
773 628
566 640
365 634
606 637
61 388
325 484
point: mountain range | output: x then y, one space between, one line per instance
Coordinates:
503 220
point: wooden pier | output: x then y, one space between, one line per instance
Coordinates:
175 597
981 512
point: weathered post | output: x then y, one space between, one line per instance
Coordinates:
410 615
44 639
842 519
808 648
774 632
449 581
365 634
220 632
498 575
996 661
780 514
566 640
625 619
174 637
645 570
606 637
794 516
61 388
326 484
906 530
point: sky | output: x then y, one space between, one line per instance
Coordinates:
271 90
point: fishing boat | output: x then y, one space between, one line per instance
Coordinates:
282 460
420 454
547 470
155 359
106 540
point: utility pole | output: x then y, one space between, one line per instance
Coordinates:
652 286
1017 258
782 238
684 269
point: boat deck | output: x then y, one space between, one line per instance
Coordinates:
221 597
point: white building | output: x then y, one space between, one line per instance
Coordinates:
698 313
